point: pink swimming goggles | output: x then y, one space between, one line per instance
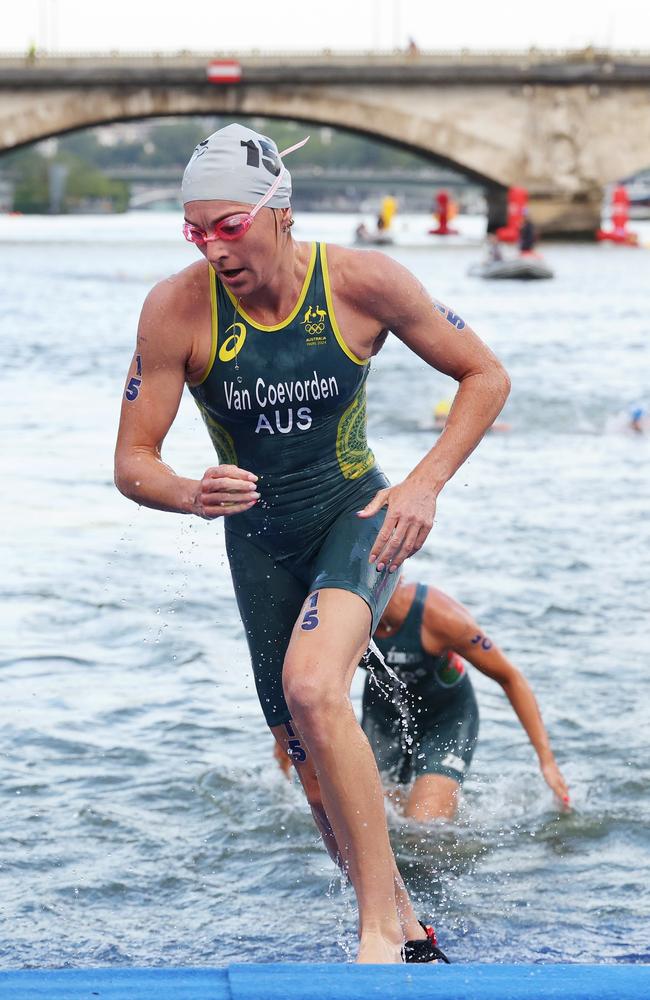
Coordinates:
233 227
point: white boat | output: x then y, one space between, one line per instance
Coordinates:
526 267
373 238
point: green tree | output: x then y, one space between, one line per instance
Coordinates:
173 143
32 191
86 185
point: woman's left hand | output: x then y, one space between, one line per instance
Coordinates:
409 519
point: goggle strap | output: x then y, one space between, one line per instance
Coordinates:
291 149
278 180
269 194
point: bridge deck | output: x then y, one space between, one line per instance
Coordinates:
119 69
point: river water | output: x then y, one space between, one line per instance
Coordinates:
144 820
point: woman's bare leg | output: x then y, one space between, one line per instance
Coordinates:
301 758
318 670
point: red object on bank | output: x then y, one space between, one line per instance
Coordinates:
224 71
442 212
619 233
517 203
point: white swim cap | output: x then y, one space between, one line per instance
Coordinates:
236 164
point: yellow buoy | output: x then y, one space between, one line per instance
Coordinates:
387 211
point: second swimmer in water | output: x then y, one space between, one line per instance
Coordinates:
425 728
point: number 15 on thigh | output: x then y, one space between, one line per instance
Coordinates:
310 618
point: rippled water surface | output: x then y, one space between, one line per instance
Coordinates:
144 820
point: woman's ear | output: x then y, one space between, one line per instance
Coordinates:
286 220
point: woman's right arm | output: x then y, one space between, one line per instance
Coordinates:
152 394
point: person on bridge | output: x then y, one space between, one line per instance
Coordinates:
422 724
274 338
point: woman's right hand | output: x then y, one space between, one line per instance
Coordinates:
555 781
225 490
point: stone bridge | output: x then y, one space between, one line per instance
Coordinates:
561 124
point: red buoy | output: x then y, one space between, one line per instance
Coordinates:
517 204
443 212
620 216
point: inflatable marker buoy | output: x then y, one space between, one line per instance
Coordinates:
619 233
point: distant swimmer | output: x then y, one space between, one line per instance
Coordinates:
274 339
639 422
634 420
423 731
442 410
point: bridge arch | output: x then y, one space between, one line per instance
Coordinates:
450 145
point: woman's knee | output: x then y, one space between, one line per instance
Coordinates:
309 691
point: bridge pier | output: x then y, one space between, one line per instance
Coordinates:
562 216
497 207
556 215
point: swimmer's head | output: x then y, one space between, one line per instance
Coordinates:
442 409
236 164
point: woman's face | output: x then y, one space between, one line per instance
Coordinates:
244 264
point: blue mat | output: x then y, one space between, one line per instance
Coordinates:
334 982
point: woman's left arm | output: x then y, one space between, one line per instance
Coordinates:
441 338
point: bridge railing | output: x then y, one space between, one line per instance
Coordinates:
123 71
252 57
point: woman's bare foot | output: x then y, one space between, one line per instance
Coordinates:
376 949
413 931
